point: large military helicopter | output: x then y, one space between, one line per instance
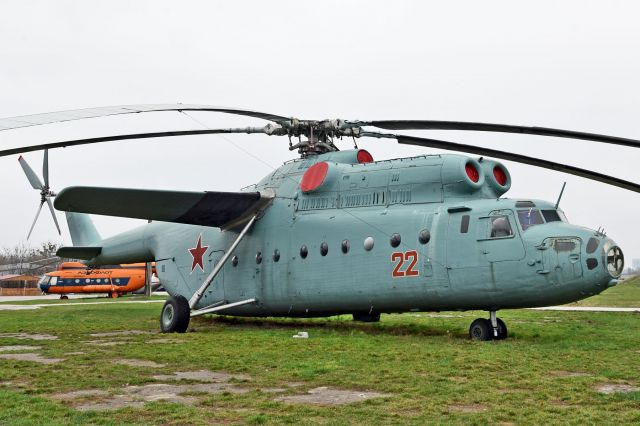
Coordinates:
335 232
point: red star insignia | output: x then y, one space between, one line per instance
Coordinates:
197 252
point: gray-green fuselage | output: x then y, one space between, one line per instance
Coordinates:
466 259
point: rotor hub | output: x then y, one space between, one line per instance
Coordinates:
319 135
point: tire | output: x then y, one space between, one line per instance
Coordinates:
502 330
481 329
64 297
175 315
366 317
114 295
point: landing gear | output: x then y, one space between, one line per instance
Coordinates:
113 295
175 315
366 317
64 297
488 329
481 329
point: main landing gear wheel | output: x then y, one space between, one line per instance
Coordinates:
481 330
175 315
113 295
64 297
488 329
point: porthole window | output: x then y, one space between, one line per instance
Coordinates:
304 252
345 246
98 280
395 240
234 261
324 248
368 243
259 257
77 281
118 280
276 255
87 280
424 236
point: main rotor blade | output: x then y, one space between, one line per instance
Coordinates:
503 128
53 214
80 114
35 219
538 162
34 180
61 144
45 168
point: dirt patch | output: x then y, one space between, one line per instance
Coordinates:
273 390
19 348
467 408
137 396
138 363
105 342
32 357
610 388
203 376
75 353
329 396
562 373
79 394
121 333
28 336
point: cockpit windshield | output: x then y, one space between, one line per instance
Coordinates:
531 217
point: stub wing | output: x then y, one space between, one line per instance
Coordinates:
216 209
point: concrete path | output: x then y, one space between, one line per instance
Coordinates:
10 307
587 309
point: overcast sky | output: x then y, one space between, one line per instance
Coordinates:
570 64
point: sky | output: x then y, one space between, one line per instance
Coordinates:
572 65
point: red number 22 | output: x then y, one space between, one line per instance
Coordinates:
400 258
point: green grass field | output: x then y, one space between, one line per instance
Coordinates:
625 294
547 372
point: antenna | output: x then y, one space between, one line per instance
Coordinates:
560 196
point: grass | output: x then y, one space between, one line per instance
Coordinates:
426 363
626 294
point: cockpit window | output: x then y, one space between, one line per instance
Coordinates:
500 227
44 280
551 216
529 217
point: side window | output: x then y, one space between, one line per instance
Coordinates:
500 227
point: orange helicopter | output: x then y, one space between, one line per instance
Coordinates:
115 280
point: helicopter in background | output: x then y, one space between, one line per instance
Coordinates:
114 280
335 232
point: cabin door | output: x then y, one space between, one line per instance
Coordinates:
215 292
463 260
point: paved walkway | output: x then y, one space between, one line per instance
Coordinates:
587 309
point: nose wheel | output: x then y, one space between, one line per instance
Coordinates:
488 329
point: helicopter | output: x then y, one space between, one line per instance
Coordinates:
334 232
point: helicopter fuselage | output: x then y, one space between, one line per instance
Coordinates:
343 235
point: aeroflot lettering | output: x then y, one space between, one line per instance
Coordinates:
399 258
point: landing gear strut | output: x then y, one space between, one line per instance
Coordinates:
488 329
